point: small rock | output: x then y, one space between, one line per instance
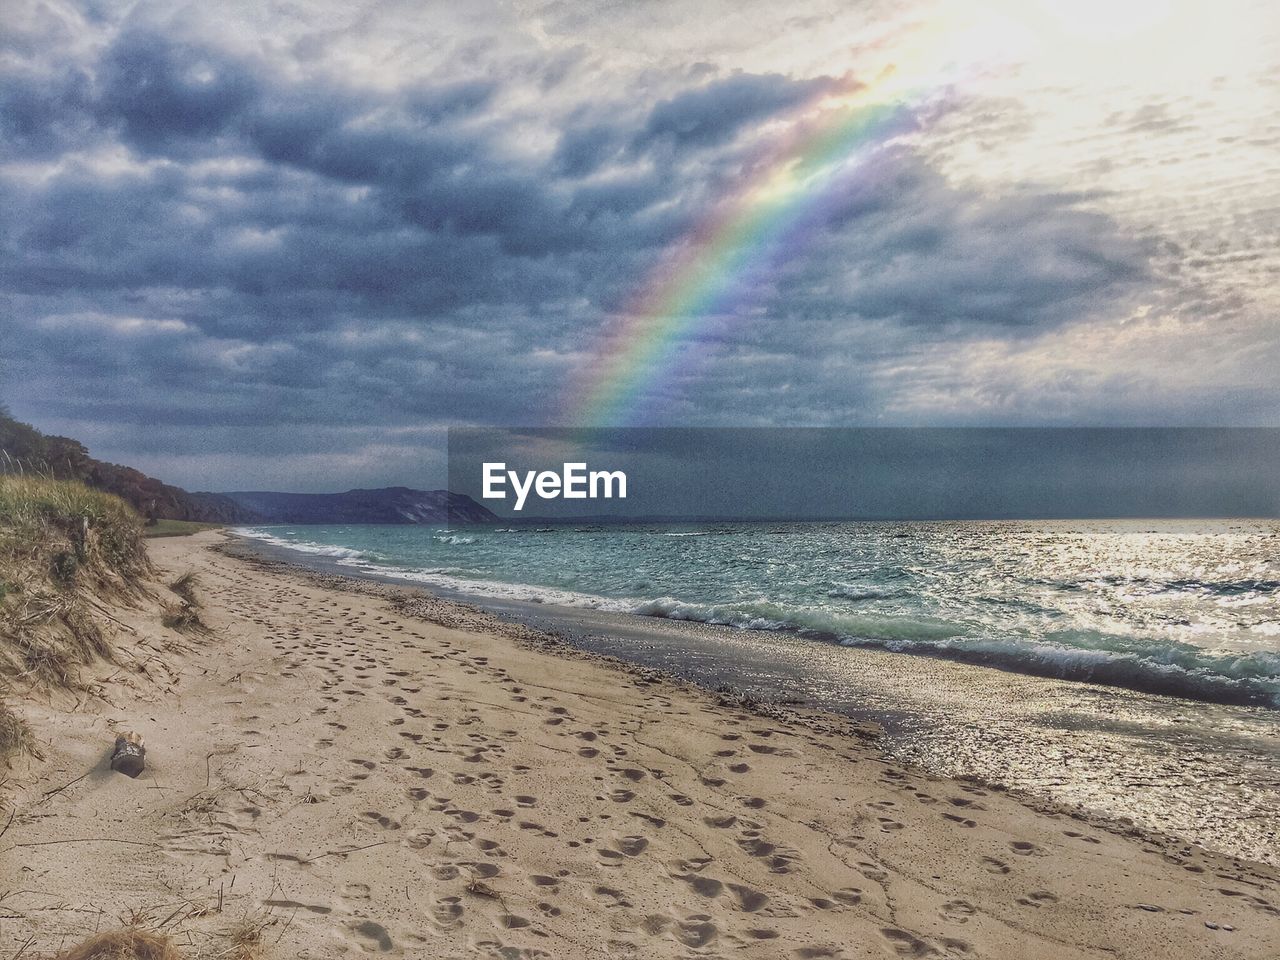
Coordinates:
129 755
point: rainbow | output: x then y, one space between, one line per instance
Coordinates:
706 278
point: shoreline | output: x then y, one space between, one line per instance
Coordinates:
1095 666
408 777
1142 766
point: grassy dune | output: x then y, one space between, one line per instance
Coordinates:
64 549
71 559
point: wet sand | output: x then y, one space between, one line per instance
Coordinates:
379 774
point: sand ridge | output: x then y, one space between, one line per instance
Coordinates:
373 782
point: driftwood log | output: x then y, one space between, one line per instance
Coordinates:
129 756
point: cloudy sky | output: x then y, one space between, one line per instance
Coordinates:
287 244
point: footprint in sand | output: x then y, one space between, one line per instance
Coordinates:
1080 836
708 887
447 912
748 900
610 897
1038 898
906 944
958 911
697 931
872 872
631 846
375 932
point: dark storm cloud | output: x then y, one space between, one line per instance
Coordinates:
215 240
708 115
905 244
163 92
42 113
715 112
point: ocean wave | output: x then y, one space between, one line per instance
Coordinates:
307 546
457 580
1245 679
1254 586
816 624
868 593
1224 588
712 532
452 539
1171 669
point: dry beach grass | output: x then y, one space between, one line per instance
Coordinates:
65 551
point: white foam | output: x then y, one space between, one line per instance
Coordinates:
502 590
304 546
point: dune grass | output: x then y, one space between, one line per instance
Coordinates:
15 736
64 548
185 587
71 527
241 940
127 943
176 528
244 939
184 616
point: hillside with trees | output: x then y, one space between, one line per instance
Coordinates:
25 450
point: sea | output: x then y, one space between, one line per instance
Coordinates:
1129 667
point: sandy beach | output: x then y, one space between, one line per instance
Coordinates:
357 772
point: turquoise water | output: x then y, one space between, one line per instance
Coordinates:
1184 608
